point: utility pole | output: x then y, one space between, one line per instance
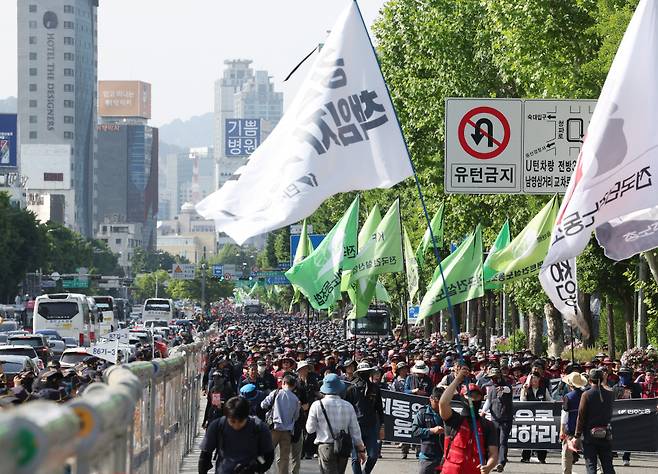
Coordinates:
203 283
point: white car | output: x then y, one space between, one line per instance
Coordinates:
72 357
22 351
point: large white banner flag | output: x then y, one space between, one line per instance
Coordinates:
340 134
612 190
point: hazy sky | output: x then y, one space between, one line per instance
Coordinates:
180 46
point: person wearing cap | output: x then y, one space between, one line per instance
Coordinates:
500 404
418 382
650 385
593 428
570 403
348 371
265 378
401 372
255 397
460 451
626 389
428 427
534 391
366 399
340 414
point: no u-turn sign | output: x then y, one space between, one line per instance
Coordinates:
483 145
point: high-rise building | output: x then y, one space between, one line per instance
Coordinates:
126 169
247 108
57 69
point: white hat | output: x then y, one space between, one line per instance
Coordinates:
420 368
364 367
302 364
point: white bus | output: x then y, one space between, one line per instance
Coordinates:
105 305
69 314
158 309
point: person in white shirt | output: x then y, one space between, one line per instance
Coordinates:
341 417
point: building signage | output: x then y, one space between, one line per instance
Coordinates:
124 99
8 140
242 137
513 145
50 22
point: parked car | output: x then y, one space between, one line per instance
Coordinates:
57 348
72 357
13 365
38 342
23 351
70 342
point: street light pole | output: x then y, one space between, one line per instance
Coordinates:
156 284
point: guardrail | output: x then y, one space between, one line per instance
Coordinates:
142 419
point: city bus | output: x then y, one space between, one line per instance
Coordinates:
67 313
158 309
376 323
107 309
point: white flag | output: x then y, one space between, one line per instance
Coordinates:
340 134
108 351
615 170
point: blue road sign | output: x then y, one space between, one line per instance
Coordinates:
218 271
294 243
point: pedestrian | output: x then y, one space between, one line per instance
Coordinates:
428 427
570 403
329 417
593 428
461 452
366 399
625 390
283 407
650 384
534 391
500 404
242 442
418 382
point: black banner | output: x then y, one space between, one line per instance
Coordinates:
536 424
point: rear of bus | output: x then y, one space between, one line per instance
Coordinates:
158 309
68 314
105 305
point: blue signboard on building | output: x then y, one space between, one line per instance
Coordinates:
241 137
8 140
294 242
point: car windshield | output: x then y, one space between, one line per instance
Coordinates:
21 351
27 341
7 326
74 357
57 310
12 367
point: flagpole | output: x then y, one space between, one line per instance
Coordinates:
405 279
436 250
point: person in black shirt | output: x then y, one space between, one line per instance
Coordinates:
499 404
243 443
593 429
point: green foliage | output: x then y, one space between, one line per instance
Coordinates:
144 261
581 354
144 285
191 289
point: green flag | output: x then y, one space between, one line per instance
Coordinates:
523 257
253 289
412 267
501 242
383 251
361 291
463 275
304 249
437 229
381 294
318 276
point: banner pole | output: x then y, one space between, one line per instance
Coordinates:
405 280
436 250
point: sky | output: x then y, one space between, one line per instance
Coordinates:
180 46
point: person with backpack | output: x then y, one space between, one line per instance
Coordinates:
570 404
329 419
243 443
428 426
460 451
283 410
500 405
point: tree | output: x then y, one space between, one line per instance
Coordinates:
144 285
146 261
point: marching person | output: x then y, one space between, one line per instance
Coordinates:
428 426
366 399
418 382
624 390
534 391
593 429
500 404
242 442
326 419
461 453
570 403
285 408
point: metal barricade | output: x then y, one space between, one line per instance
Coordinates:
143 419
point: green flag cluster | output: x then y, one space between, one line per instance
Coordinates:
318 276
462 270
491 282
304 249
